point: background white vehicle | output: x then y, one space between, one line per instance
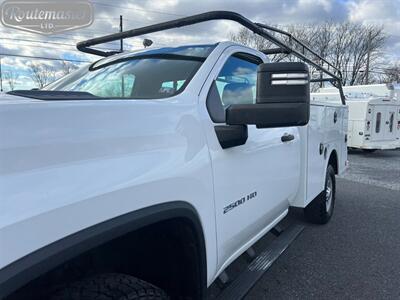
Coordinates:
162 164
389 90
374 115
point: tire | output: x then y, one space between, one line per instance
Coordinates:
110 286
320 210
369 150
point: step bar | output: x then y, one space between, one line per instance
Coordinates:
239 287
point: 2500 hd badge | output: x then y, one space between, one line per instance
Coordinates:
239 202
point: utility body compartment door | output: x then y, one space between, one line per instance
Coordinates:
315 178
383 120
390 126
326 133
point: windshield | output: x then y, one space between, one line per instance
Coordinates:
151 74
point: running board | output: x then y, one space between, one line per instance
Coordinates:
246 280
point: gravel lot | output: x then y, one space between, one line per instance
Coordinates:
356 255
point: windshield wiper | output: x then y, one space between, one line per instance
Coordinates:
53 95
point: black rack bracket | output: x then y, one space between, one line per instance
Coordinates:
257 28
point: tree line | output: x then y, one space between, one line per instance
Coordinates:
41 74
354 49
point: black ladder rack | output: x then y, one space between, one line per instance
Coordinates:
257 28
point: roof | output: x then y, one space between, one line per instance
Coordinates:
190 50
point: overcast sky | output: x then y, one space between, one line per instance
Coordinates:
137 13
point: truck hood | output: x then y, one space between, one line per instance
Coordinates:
48 148
13 99
66 165
38 133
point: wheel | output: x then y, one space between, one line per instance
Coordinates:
109 287
369 150
320 210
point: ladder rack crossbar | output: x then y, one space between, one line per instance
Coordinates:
257 28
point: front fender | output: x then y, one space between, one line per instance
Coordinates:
19 273
67 166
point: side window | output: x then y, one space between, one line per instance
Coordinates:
171 87
378 122
391 121
236 82
117 86
128 80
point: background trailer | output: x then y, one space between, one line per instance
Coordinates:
374 115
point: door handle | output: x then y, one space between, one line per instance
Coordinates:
287 137
335 117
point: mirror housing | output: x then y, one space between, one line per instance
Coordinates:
283 98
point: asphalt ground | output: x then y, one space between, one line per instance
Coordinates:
357 254
380 168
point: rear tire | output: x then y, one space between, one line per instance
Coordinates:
110 286
320 210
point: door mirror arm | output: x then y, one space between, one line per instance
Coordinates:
231 135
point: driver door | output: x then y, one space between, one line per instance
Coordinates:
254 182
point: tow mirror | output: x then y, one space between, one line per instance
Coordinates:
283 98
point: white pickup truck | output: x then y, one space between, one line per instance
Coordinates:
162 164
